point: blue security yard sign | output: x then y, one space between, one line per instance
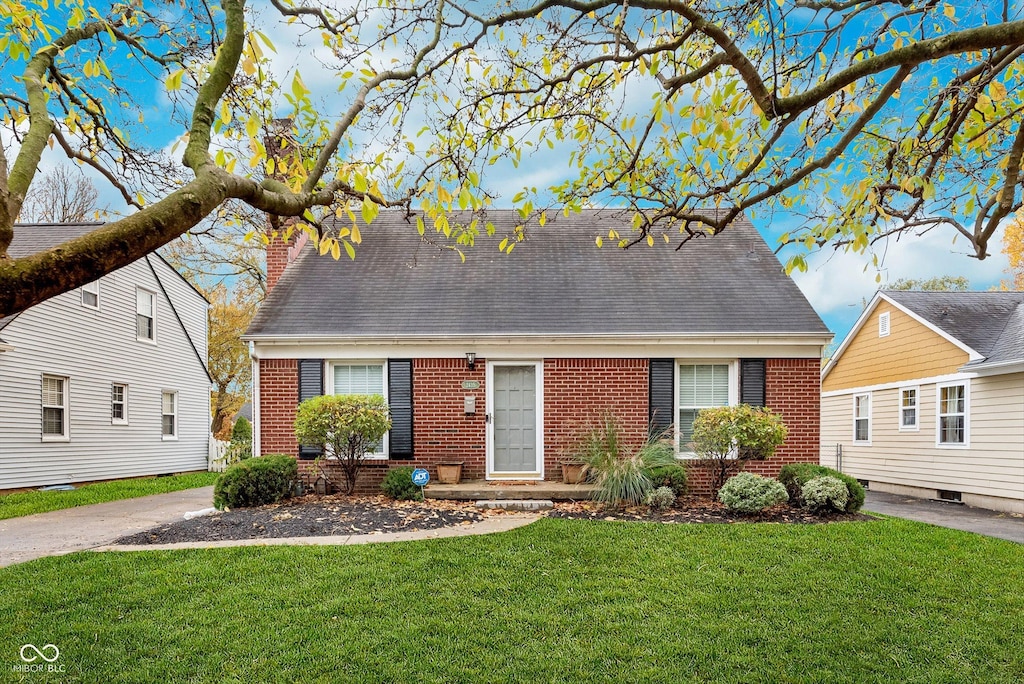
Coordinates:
420 477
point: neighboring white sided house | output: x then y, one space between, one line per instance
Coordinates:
925 397
105 381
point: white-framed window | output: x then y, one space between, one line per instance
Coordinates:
701 385
910 398
145 315
118 403
360 377
883 324
952 425
91 295
55 408
862 418
169 414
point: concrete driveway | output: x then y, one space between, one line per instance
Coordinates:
87 527
982 521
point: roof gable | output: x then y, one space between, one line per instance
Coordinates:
556 282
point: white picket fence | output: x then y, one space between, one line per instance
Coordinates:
215 461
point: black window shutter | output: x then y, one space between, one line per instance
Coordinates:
311 384
752 376
660 394
400 401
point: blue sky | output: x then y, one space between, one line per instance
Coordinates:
836 284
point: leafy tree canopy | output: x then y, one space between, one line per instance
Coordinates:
866 117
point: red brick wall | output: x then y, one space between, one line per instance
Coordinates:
441 430
792 389
279 397
577 392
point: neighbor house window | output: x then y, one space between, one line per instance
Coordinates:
91 295
862 418
883 324
952 414
119 404
908 408
169 415
359 378
55 408
701 386
145 315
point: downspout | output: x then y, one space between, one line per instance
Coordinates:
256 422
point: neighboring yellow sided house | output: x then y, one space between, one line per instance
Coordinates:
925 397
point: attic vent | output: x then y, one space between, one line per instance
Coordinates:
883 324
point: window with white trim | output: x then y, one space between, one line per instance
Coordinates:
91 295
169 415
701 385
145 315
360 378
908 408
119 404
862 418
55 407
952 414
883 324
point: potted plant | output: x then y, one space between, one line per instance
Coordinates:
573 471
449 472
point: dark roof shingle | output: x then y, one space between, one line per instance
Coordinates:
557 282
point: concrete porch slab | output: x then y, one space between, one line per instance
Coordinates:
476 490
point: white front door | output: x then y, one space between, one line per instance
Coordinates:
514 420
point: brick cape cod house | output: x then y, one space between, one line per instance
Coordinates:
499 362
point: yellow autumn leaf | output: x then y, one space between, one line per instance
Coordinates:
949 10
997 91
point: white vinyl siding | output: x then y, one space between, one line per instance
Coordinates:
91 295
360 378
992 465
119 404
701 385
55 408
145 315
862 418
951 415
169 415
95 348
908 409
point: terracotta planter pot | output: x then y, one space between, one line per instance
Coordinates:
573 472
449 473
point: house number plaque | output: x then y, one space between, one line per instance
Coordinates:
470 384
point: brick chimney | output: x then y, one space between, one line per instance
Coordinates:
280 252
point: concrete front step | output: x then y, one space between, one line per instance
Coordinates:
517 504
477 490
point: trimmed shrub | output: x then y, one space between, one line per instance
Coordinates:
795 475
672 476
750 493
661 498
256 482
398 485
242 431
826 493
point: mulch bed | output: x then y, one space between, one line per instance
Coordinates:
692 509
318 516
314 516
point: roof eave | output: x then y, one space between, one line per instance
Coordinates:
822 338
996 368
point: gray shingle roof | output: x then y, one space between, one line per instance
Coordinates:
991 323
557 282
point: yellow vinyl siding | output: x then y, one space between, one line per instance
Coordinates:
993 465
910 351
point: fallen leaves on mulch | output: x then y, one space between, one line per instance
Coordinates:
691 509
316 516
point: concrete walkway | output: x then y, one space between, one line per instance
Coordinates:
87 527
982 521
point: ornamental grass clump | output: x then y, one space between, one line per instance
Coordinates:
827 493
620 477
751 493
795 475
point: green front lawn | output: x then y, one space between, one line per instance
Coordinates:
559 600
28 503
